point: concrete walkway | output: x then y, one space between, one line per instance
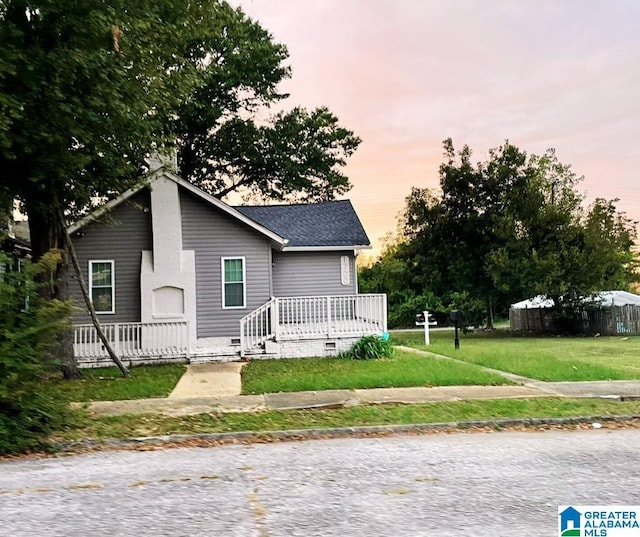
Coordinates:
216 388
209 380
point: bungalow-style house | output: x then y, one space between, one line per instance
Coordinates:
174 273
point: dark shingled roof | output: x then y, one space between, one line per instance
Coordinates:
332 223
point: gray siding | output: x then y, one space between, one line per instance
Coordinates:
120 237
213 235
311 274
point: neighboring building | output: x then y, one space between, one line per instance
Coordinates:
176 273
16 249
606 313
14 240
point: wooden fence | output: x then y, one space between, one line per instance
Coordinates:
610 321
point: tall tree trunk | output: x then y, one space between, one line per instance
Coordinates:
47 234
87 300
489 313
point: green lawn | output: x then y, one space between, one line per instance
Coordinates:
152 425
108 384
543 358
402 369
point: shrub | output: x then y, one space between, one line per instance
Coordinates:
370 348
29 326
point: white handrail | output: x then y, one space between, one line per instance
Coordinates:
257 327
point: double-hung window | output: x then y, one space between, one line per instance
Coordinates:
102 286
234 293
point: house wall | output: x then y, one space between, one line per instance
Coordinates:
213 235
120 236
311 274
306 348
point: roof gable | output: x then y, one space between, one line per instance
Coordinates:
94 215
332 224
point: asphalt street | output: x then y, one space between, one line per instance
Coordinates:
481 484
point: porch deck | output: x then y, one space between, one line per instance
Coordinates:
281 320
312 318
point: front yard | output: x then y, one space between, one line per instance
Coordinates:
542 358
402 369
546 358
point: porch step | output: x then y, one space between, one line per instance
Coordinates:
208 358
254 352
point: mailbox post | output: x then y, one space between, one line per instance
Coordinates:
423 319
457 317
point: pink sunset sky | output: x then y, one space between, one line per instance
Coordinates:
406 74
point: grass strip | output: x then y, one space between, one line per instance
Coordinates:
87 427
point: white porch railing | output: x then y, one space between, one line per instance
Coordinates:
132 340
313 317
257 327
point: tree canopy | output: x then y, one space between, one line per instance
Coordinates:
502 230
90 88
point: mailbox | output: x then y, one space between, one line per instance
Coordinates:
457 317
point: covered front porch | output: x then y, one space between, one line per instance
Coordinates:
282 327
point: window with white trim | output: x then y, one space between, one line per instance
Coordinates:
234 293
102 286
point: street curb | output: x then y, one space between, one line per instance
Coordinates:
211 439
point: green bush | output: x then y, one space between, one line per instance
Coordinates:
29 329
370 348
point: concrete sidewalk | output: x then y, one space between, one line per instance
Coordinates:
316 399
215 388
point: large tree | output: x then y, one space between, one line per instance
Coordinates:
85 90
507 228
85 87
230 140
89 88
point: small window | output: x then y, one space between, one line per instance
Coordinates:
233 283
102 286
